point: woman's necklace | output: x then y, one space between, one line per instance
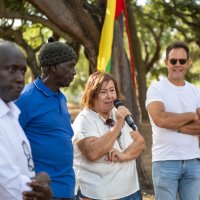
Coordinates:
110 123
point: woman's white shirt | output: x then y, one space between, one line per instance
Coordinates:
102 179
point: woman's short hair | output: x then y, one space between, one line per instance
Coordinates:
93 87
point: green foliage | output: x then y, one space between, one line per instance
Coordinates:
181 15
161 22
14 5
35 34
193 74
158 23
28 76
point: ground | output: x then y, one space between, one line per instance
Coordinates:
146 131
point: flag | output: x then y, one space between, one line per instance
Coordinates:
113 10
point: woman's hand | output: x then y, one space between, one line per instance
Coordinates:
115 155
122 112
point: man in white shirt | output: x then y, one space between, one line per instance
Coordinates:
173 105
17 176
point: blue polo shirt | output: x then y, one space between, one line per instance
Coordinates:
47 124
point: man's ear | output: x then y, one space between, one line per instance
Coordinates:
53 68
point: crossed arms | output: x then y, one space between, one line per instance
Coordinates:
187 123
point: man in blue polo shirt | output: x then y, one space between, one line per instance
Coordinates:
46 120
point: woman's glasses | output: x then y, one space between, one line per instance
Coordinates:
174 61
110 122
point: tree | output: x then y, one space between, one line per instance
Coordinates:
80 22
183 16
152 27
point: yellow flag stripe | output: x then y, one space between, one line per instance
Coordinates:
105 47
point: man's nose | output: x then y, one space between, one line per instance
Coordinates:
74 72
19 76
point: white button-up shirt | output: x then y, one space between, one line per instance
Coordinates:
16 166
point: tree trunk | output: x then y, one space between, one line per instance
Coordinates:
122 71
137 60
75 21
10 34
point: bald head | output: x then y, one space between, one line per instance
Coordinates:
12 71
8 50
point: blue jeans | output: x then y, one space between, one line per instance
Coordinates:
135 196
176 176
55 198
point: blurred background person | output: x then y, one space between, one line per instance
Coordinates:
105 146
46 120
17 175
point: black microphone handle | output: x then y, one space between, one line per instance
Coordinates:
128 118
130 122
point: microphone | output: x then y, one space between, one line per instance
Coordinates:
128 118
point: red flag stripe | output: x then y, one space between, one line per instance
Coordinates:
119 8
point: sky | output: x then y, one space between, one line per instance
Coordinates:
141 2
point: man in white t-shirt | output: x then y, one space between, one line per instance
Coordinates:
17 176
173 105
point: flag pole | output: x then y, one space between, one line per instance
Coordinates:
129 44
